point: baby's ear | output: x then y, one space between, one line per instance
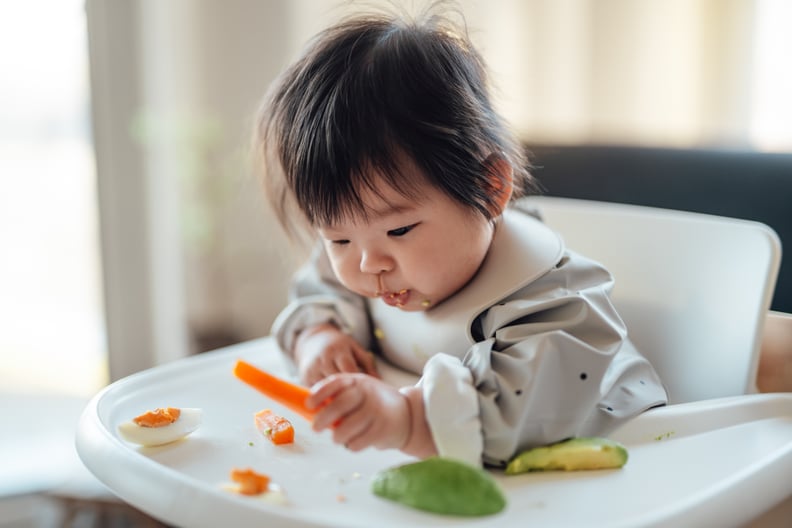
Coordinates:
500 177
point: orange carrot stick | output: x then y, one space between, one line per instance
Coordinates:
286 393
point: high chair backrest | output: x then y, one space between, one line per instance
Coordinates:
693 289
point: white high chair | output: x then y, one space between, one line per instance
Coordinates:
694 290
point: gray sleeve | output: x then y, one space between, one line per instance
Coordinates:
544 366
317 297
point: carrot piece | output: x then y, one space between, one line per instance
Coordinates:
250 482
286 393
277 428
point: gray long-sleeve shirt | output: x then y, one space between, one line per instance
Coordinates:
530 352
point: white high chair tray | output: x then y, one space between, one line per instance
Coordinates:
712 463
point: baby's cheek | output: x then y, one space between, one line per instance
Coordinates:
359 287
348 274
432 281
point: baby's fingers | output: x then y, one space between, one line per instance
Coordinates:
324 392
366 362
346 363
335 413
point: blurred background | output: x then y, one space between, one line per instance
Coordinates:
132 228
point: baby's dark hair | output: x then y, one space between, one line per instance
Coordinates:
369 93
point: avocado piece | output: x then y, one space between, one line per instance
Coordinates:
441 485
570 455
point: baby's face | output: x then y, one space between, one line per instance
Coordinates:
411 255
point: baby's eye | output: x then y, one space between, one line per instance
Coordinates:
401 231
340 242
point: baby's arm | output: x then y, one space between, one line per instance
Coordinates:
324 329
365 412
553 361
324 349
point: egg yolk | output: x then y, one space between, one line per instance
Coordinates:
159 417
250 482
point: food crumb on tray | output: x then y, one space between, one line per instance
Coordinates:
252 484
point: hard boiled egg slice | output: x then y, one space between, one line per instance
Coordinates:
161 426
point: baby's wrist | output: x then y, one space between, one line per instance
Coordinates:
419 442
310 331
307 333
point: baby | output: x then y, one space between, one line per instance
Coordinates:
382 143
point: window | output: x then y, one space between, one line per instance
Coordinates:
53 336
770 127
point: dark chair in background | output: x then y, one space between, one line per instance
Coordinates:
739 184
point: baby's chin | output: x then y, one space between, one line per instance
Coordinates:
414 308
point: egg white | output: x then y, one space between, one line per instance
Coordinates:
189 420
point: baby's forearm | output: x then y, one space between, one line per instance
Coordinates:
419 440
310 332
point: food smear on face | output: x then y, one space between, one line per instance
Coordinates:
398 299
441 485
160 426
277 428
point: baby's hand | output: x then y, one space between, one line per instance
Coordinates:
361 411
325 350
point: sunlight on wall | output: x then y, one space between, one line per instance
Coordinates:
50 307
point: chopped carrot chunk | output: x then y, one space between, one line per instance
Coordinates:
250 482
159 417
277 428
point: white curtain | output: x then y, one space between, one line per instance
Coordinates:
654 72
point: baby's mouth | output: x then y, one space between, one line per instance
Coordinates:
398 299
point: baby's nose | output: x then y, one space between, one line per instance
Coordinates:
375 262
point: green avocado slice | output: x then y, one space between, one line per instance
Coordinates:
441 485
570 455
